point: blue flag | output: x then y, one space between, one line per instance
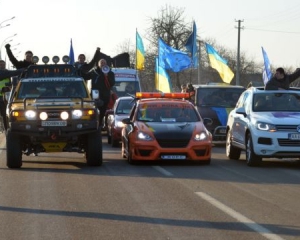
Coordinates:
71 54
267 74
191 46
171 58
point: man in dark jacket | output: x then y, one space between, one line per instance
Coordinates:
102 79
82 66
19 64
282 80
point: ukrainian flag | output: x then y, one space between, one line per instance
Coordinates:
162 78
220 64
140 53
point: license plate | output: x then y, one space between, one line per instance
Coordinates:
54 123
294 136
173 157
223 130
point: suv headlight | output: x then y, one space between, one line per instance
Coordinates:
76 114
266 127
30 115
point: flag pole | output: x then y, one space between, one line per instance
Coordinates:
199 56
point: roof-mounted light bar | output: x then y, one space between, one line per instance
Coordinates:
161 95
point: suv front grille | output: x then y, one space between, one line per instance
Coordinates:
287 128
288 143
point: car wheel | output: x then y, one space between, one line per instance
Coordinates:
231 151
13 150
251 158
94 149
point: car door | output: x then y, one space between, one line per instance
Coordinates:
240 119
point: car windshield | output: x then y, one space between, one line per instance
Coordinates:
124 106
289 101
167 112
126 88
218 97
35 89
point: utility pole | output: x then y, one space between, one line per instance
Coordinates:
237 75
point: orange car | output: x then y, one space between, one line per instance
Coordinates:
165 126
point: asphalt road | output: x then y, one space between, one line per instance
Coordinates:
56 196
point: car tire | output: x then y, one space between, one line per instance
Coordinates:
231 151
13 150
251 158
94 155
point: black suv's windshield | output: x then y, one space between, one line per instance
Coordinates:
218 97
36 88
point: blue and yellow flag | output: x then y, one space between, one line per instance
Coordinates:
140 53
71 54
162 78
219 63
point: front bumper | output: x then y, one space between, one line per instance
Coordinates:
275 144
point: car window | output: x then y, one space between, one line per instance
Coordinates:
124 106
218 97
34 89
167 112
276 102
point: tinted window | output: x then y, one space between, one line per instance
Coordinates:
223 97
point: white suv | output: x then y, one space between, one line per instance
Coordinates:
266 124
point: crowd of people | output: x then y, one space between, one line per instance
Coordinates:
104 81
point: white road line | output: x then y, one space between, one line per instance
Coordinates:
239 217
163 171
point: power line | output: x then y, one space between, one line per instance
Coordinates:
266 30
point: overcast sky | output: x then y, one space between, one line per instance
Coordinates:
46 27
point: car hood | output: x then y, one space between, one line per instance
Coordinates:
120 117
215 113
172 130
278 117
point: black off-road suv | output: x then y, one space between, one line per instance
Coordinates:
51 110
214 102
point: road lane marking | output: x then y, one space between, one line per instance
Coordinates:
239 217
163 171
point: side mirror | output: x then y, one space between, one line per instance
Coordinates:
126 121
7 95
95 94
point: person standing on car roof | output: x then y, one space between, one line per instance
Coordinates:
102 79
19 64
281 80
82 66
